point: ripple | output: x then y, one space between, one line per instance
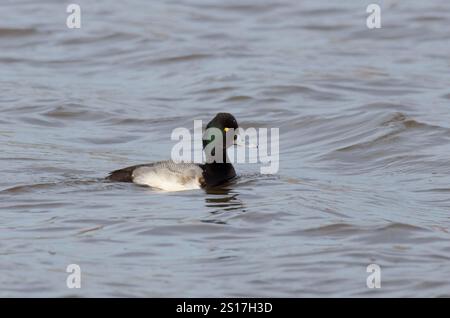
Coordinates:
237 99
182 58
364 149
17 32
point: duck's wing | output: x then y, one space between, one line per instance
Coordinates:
152 173
176 168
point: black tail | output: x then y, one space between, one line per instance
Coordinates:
123 175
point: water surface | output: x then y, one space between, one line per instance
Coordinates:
364 148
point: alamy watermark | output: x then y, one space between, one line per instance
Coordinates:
73 21
374 279
211 146
373 21
74 278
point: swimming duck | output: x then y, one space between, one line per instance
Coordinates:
171 176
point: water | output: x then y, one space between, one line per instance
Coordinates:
364 148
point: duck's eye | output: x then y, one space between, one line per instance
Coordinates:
235 137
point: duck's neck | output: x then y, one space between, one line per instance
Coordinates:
218 172
210 157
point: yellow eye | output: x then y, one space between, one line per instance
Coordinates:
226 129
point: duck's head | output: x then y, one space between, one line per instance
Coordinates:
224 124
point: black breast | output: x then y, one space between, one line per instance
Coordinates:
215 174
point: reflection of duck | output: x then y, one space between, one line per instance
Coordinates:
222 205
223 200
171 176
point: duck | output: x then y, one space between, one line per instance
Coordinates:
178 176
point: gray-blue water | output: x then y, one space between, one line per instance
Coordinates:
364 148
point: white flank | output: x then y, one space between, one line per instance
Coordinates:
169 176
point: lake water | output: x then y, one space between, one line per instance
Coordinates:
364 125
